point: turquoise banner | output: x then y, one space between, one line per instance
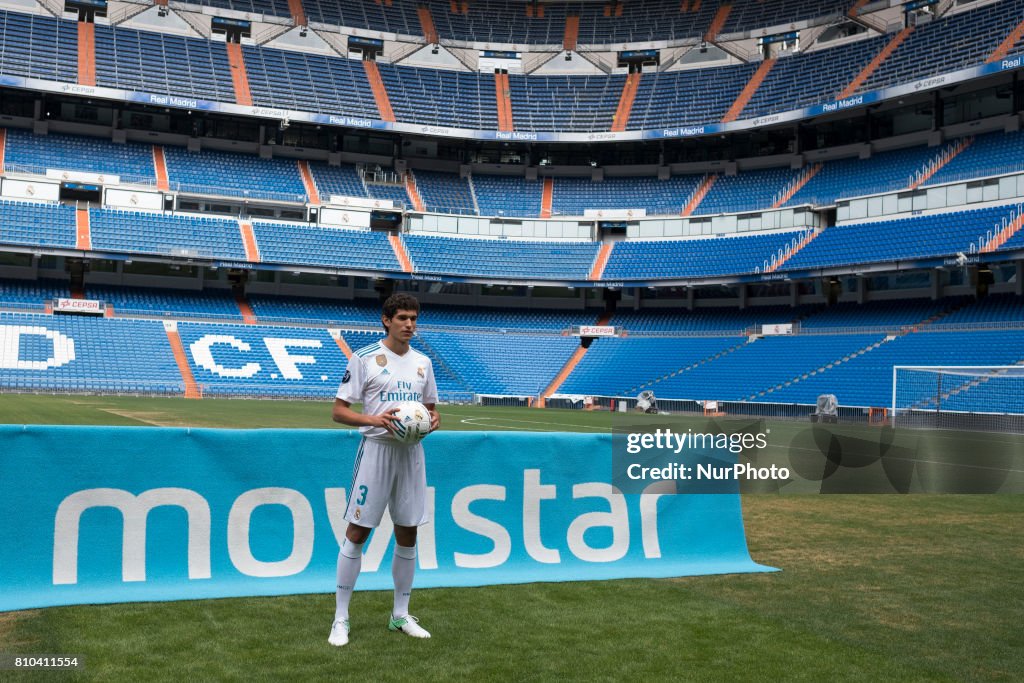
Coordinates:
124 514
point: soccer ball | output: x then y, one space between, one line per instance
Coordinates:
413 422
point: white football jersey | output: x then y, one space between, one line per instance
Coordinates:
380 379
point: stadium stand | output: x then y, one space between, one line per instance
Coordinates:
342 180
510 258
760 364
309 310
481 361
31 294
445 192
934 235
164 302
866 380
308 82
161 63
572 196
38 46
295 243
234 174
703 320
895 314
566 103
637 360
679 98
800 80
232 360
844 178
989 155
168 234
28 153
502 319
508 195
995 308
974 33
495 21
37 224
642 259
745 191
108 356
425 96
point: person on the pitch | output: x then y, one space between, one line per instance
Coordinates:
387 473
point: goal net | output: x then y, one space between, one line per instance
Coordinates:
978 398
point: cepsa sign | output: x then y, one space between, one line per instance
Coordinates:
82 306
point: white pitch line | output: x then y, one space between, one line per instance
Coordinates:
470 421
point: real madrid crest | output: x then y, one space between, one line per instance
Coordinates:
382 360
419 371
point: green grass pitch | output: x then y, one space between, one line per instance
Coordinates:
873 587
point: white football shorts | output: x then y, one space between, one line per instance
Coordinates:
388 474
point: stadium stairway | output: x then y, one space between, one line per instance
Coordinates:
634 390
340 341
748 90
855 10
600 261
804 241
1004 235
503 101
797 184
298 12
569 366
721 16
400 253
191 387
86 53
380 93
936 164
83 238
252 250
414 193
160 168
1008 43
308 182
626 99
246 310
546 197
427 24
699 194
239 77
871 66
3 148
572 32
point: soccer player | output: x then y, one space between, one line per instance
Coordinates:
387 472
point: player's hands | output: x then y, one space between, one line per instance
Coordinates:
435 419
387 420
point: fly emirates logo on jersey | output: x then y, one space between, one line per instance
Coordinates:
401 391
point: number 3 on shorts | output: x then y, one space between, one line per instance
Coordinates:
362 496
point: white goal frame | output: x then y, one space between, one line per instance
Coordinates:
964 370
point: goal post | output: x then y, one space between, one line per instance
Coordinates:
985 398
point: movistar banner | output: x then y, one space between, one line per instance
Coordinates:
117 514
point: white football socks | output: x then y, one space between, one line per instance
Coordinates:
350 561
403 566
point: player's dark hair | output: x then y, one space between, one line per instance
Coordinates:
400 302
